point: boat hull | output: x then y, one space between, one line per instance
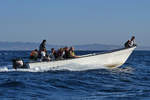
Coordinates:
112 59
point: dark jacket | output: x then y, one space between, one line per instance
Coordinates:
67 54
42 46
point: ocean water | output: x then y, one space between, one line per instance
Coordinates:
129 82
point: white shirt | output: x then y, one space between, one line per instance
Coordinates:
43 54
52 56
132 43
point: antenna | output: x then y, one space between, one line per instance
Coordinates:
132 33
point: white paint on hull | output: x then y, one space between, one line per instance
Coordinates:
106 60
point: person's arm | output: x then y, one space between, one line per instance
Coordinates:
75 56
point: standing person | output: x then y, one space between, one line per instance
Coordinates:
42 47
44 57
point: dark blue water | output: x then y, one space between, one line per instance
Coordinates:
129 82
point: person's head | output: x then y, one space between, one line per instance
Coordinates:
35 50
72 48
61 49
52 50
44 41
66 48
129 41
133 37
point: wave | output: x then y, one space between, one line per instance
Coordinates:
9 84
68 67
126 69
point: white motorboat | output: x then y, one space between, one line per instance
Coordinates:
110 59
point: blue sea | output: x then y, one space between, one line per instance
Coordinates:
129 82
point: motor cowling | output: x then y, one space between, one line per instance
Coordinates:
18 63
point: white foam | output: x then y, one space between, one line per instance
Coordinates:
70 67
127 69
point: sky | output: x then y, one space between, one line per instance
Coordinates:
71 22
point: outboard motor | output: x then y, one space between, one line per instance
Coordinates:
18 63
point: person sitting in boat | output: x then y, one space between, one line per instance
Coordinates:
53 54
42 47
127 44
60 54
44 56
72 53
132 42
34 55
66 53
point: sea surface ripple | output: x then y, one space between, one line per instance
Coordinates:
129 82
